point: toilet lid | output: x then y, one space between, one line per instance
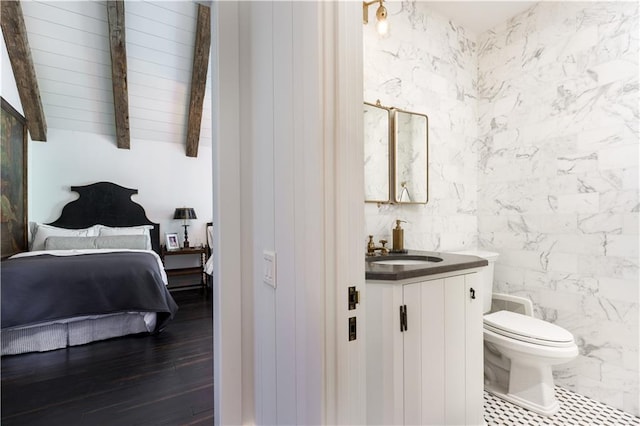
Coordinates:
528 329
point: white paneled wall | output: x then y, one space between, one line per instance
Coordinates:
289 140
558 180
300 137
70 49
281 139
428 65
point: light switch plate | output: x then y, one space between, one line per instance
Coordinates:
269 268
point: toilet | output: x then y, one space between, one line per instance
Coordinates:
519 350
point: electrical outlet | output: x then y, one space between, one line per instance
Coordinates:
269 268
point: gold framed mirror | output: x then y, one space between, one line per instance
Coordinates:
377 171
396 155
411 158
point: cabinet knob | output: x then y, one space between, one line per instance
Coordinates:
473 293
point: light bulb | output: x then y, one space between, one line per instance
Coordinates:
382 27
381 15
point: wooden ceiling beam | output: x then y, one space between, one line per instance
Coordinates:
117 45
15 38
198 79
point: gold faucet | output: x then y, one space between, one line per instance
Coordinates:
371 247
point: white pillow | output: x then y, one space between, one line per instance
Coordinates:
42 232
69 243
106 231
138 242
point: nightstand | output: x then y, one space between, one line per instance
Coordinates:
187 265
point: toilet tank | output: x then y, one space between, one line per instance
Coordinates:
485 276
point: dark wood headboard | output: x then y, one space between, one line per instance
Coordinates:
109 204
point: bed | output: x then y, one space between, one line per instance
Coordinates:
93 274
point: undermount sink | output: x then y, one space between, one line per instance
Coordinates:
415 264
406 260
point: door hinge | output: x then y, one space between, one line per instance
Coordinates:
353 329
353 298
403 318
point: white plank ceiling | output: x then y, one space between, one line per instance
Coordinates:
70 48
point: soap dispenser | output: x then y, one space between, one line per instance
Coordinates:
398 238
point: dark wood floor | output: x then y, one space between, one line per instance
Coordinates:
138 380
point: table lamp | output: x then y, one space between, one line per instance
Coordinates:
185 213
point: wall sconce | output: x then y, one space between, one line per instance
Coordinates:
381 15
185 213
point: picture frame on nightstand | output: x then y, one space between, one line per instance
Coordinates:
172 241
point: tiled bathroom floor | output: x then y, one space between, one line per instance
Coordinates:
575 409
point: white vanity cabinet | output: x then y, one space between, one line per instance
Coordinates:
431 372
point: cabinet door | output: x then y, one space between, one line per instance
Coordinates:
430 373
384 355
474 368
424 354
463 348
454 348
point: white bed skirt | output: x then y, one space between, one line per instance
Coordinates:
57 335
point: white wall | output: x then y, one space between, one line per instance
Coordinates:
558 180
161 172
428 65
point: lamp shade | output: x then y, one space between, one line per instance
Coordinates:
184 213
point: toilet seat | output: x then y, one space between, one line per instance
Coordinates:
527 329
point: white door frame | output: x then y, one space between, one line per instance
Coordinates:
344 209
227 301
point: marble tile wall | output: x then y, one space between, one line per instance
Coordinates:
558 180
428 65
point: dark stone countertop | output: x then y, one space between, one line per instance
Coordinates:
449 263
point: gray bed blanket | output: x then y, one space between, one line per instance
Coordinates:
43 288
